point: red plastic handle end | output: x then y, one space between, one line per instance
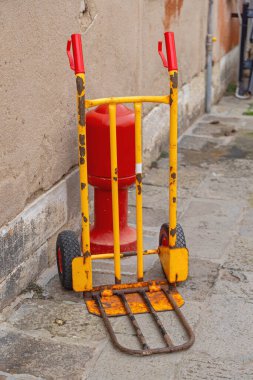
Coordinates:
78 53
76 61
160 51
71 61
171 51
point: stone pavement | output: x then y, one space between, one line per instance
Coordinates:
48 334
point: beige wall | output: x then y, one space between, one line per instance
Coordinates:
37 88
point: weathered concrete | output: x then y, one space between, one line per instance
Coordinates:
29 240
22 275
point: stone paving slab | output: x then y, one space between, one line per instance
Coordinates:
111 367
189 178
240 255
235 285
42 358
152 217
204 366
8 376
223 331
215 187
209 226
64 322
236 168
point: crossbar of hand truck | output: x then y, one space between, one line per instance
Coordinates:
102 256
127 99
133 287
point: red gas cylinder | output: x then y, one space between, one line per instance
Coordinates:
99 176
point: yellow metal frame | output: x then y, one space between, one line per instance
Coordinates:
174 260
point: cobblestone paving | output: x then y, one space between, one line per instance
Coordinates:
47 333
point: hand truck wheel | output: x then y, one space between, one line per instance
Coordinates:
164 236
67 248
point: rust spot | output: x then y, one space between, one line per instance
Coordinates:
79 85
173 231
173 175
174 199
171 167
172 9
174 80
113 305
115 179
116 171
139 178
139 189
81 110
82 151
82 139
117 281
82 161
228 27
86 254
85 219
171 100
83 185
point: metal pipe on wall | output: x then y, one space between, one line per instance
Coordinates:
209 58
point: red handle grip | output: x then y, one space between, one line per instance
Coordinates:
171 51
171 62
76 63
160 51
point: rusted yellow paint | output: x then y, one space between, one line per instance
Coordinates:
173 77
85 241
175 263
81 274
115 195
114 307
138 186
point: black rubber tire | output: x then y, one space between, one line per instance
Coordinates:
67 248
164 233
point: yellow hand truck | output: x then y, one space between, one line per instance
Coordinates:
75 262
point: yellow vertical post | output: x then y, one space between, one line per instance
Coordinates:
173 76
115 197
85 241
138 181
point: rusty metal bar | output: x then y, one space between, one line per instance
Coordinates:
135 324
164 333
103 256
148 351
181 316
